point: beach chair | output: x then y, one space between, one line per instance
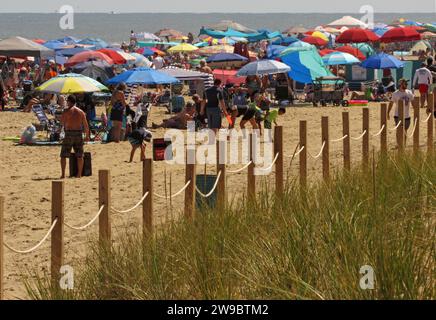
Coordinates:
44 121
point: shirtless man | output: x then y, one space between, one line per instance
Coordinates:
74 122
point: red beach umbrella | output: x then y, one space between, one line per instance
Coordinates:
88 56
356 35
400 34
353 51
324 52
116 56
315 41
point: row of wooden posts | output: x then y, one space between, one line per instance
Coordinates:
104 190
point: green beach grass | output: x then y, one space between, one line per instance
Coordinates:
309 245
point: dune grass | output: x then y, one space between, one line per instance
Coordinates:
309 245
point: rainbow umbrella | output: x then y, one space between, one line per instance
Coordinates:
71 83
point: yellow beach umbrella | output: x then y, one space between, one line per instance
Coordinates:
183 47
320 35
71 83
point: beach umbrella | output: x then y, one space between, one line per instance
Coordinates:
88 56
301 44
285 40
306 66
382 61
347 21
201 44
60 60
319 34
145 76
94 42
353 51
422 45
224 25
380 31
141 61
169 33
298 46
430 27
274 51
225 60
339 58
263 67
95 70
365 48
69 40
183 47
295 30
428 35
22 47
315 41
71 83
54 44
71 51
325 52
147 36
400 34
145 51
356 35
215 49
332 30
118 57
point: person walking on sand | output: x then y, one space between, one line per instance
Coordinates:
74 122
212 106
407 97
423 79
117 112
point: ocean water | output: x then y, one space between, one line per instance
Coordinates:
116 27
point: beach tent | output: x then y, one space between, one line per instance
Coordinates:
306 66
422 45
215 49
349 22
228 24
21 47
225 60
145 76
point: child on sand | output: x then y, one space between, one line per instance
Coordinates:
137 139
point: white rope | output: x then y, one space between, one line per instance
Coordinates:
272 164
320 152
176 194
428 118
213 189
88 224
380 132
414 128
298 152
241 169
340 139
133 208
359 137
38 245
396 127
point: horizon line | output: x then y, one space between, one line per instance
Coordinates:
217 12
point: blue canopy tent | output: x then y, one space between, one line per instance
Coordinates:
306 66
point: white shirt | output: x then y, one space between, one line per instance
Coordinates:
158 63
423 76
407 97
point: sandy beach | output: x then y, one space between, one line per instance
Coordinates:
26 173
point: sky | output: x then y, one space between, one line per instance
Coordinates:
225 6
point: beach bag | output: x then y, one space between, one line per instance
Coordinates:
87 165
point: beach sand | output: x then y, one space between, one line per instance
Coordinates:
26 174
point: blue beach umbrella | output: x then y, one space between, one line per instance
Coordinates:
71 51
274 51
339 58
226 57
69 40
97 43
54 45
286 40
147 52
382 61
143 76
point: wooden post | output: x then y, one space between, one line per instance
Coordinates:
416 119
251 178
303 154
430 126
365 139
147 205
57 235
400 129
2 261
384 125
190 190
346 142
104 199
278 149
326 151
221 167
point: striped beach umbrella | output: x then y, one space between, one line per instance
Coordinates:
71 83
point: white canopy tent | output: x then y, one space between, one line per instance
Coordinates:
349 22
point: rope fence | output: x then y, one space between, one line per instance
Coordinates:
190 188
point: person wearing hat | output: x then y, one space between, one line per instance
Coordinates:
407 96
